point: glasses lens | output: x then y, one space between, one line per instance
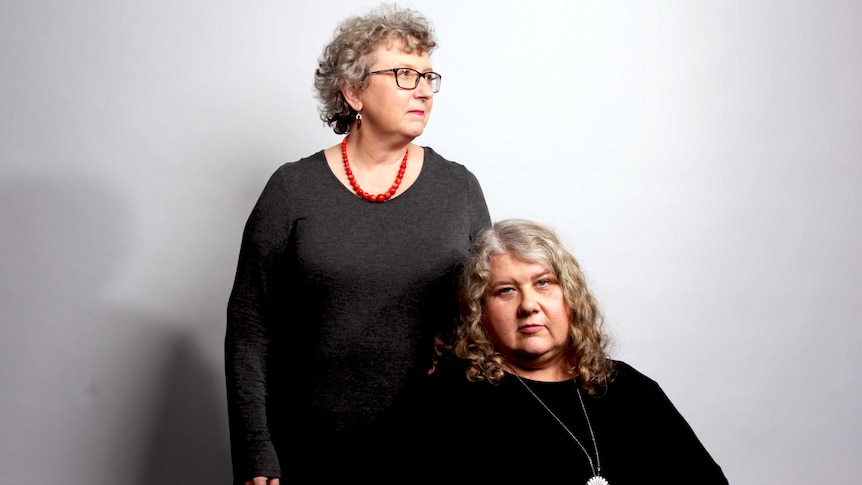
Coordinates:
434 80
406 78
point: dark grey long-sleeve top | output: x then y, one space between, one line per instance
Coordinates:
334 308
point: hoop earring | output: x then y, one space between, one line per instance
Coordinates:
358 121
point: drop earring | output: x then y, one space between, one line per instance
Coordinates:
358 121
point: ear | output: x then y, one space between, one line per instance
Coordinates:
352 96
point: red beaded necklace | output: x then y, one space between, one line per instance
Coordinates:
365 195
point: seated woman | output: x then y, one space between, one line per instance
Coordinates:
533 393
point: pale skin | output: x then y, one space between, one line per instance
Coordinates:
391 119
263 481
527 319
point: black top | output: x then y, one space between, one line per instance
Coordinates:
334 308
478 431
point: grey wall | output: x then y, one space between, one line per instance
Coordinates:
702 158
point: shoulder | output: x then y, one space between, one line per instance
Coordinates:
626 379
449 386
638 393
624 370
310 164
295 176
450 179
291 183
436 161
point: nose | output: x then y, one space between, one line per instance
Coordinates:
528 304
424 90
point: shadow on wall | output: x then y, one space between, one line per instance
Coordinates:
189 442
93 392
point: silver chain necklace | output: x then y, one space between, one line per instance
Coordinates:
597 478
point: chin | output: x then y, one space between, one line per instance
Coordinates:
416 129
535 352
414 135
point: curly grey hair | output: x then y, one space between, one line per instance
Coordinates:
345 61
534 242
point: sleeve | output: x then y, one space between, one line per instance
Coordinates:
479 215
247 338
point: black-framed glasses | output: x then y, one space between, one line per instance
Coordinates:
406 78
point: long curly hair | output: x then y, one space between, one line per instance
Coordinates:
530 241
346 60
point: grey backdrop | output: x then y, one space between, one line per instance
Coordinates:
702 158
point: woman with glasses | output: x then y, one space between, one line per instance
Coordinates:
348 266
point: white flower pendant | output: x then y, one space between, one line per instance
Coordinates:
597 480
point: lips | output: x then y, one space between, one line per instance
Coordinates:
530 328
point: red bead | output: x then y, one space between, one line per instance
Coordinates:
355 185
